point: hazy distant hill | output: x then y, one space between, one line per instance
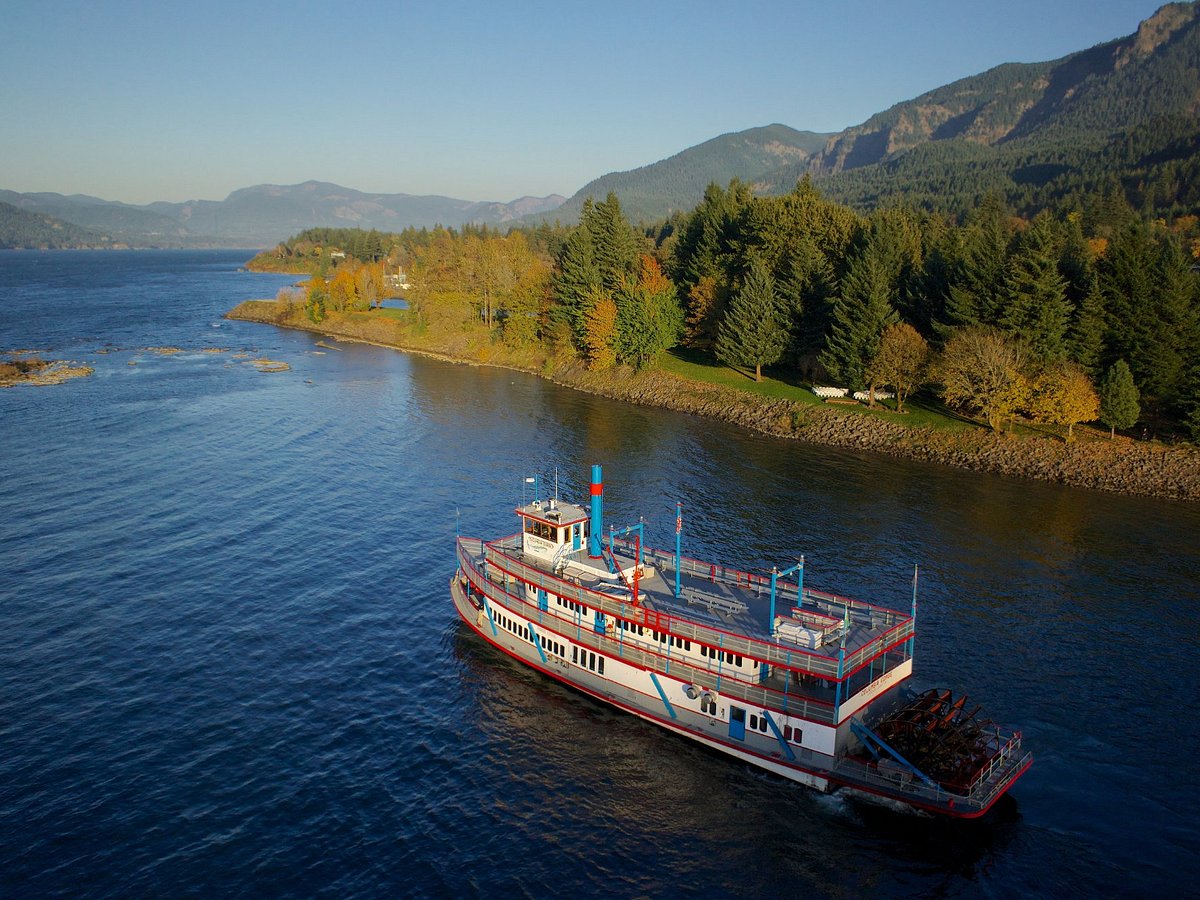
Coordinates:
266 214
23 230
655 191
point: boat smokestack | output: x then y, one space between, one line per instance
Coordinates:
596 529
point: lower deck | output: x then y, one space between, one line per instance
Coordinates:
782 742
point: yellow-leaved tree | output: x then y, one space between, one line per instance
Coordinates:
1062 394
600 329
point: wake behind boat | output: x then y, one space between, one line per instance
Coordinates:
808 685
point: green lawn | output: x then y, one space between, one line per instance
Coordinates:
921 410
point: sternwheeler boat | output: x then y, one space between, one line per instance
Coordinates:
805 684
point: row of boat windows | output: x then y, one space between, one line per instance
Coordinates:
587 659
577 608
509 624
662 637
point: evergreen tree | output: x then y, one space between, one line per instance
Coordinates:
976 295
615 243
860 314
577 276
1085 337
1173 332
1119 406
1127 281
1036 311
750 333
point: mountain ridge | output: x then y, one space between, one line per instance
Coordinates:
1034 132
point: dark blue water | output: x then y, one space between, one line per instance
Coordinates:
229 663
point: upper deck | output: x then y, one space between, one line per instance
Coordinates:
826 649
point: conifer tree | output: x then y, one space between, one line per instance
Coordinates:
976 295
1036 308
615 243
860 314
1119 399
750 333
1085 337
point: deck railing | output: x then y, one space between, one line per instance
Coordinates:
780 655
613 644
992 780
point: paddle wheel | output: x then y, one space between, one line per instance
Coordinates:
943 738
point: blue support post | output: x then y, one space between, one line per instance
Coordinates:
678 546
779 736
912 641
663 694
774 576
837 693
537 642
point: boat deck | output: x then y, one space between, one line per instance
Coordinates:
724 608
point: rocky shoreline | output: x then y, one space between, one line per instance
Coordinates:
1117 466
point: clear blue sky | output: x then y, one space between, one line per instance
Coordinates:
142 101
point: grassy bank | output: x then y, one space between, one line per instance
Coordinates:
778 407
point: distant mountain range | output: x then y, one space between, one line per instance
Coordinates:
265 214
1121 113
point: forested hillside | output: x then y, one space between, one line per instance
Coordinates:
1087 314
23 230
676 184
1119 117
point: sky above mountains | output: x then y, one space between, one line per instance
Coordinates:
144 101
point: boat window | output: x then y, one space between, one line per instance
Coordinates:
754 722
592 661
687 645
574 654
787 732
795 739
739 661
601 665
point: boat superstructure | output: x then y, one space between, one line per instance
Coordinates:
806 684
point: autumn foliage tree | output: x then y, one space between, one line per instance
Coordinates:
900 362
600 329
982 371
1062 394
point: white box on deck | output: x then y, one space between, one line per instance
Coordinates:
796 632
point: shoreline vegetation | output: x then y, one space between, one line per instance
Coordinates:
1093 460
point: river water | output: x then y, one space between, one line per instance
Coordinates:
229 664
